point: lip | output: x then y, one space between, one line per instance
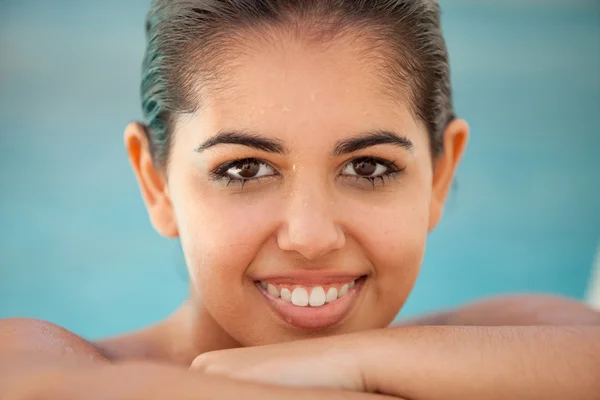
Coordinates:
314 318
310 279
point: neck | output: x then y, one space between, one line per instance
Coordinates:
191 331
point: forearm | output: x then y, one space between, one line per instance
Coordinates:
478 362
25 376
40 360
153 381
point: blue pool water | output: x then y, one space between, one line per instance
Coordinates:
76 247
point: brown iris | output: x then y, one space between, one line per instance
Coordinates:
365 167
249 169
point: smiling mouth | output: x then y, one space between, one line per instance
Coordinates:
312 307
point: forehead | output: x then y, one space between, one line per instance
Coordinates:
285 86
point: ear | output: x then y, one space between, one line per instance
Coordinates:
152 182
456 136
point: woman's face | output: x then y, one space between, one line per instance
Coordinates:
302 193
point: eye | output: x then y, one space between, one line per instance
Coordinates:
244 170
368 167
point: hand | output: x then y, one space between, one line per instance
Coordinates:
316 363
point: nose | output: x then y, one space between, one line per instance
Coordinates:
310 228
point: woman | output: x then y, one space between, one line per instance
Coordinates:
302 151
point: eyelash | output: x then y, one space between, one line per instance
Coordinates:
392 171
220 173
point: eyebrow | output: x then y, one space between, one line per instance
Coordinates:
244 138
369 139
342 147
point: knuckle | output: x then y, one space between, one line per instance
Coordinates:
202 363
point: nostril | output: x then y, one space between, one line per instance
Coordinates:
310 232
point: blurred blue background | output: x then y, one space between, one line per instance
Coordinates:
76 246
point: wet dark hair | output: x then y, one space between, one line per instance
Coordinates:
187 47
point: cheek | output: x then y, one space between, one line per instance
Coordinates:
394 238
220 233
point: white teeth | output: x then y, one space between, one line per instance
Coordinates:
286 295
343 291
331 295
317 297
300 297
273 291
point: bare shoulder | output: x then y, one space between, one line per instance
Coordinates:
515 310
531 309
25 335
33 336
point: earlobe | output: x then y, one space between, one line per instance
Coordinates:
456 137
152 182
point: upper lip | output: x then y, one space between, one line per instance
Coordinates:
310 278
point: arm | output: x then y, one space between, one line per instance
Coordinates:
529 361
481 362
430 363
543 356
39 360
